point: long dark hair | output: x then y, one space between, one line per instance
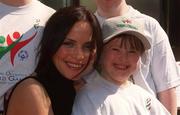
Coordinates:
60 89
59 25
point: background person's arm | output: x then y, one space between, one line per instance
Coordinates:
168 99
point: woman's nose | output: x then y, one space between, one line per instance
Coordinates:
79 54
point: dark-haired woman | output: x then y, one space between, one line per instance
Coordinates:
70 41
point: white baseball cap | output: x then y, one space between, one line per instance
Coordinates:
121 25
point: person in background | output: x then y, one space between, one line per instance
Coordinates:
158 73
111 92
21 26
70 40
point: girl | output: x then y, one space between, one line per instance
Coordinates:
109 91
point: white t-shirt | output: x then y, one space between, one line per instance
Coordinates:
20 32
159 66
178 90
101 97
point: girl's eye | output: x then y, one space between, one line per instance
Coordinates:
115 49
132 51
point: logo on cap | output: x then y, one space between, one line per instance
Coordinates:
126 23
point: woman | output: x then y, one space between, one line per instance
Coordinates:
70 39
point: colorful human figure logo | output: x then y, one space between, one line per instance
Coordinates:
13 44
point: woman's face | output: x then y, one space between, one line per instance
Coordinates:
118 63
73 55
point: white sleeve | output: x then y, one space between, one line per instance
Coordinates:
163 66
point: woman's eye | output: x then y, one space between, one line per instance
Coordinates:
88 46
68 44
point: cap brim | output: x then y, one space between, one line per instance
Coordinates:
131 32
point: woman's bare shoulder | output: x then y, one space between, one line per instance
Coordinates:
29 97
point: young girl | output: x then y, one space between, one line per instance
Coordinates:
110 90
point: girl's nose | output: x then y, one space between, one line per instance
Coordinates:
123 55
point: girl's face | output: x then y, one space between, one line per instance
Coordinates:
118 63
73 55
